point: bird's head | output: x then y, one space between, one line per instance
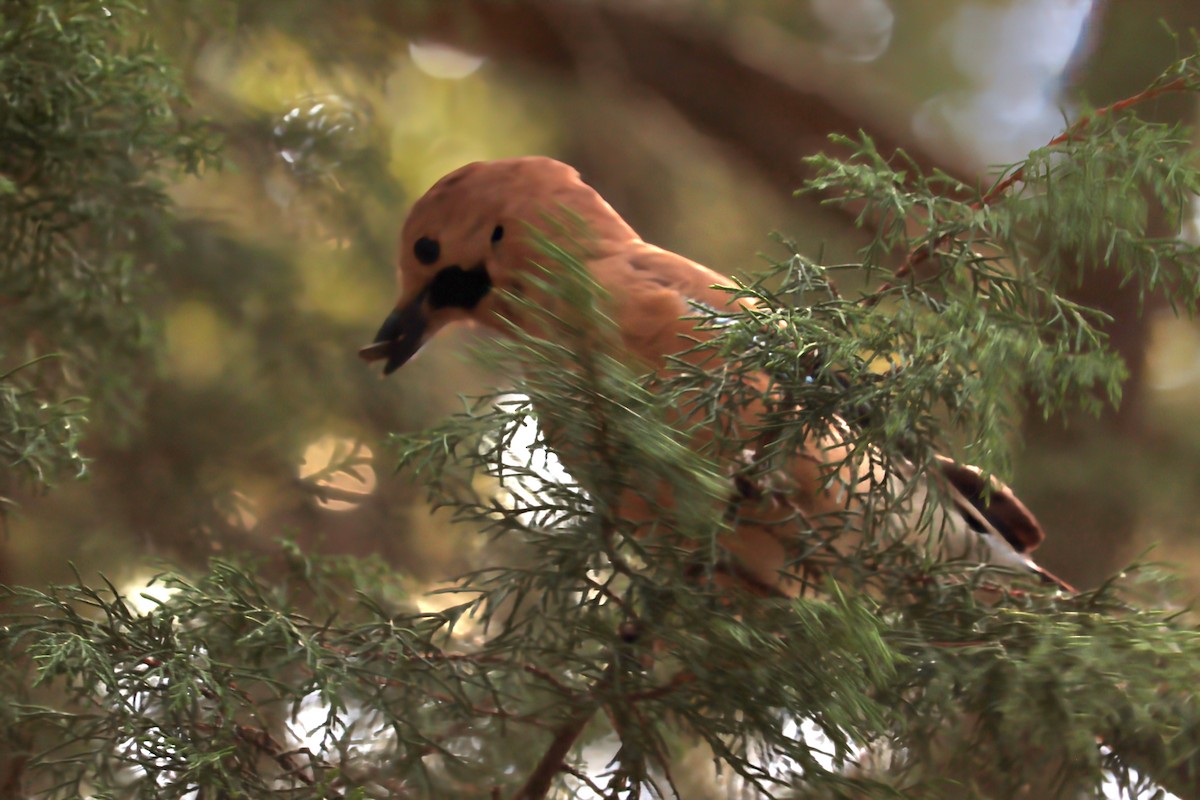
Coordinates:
468 242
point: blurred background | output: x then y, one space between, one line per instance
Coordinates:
255 420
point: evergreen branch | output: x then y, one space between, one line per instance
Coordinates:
585 779
885 649
1180 84
269 745
553 761
926 250
679 680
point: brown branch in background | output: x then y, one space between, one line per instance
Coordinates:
553 761
756 65
263 741
666 56
537 785
481 711
583 778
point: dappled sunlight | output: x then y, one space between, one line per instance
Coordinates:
525 473
322 731
1112 789
241 511
695 776
440 596
530 463
340 471
142 596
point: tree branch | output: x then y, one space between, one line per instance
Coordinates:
671 56
1177 85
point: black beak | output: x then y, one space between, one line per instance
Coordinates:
400 336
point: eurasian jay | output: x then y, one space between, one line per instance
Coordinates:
468 249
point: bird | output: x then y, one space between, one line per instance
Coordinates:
469 253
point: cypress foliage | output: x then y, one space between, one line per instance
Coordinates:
90 131
897 676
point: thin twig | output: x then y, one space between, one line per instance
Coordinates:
537 785
926 250
679 680
266 743
553 761
1177 85
584 779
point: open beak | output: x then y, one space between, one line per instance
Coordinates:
400 336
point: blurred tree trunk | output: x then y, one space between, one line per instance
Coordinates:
1087 473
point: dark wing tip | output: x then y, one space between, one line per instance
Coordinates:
1014 521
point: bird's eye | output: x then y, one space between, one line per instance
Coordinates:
427 250
497 233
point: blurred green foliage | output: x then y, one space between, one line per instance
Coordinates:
227 407
336 676
90 129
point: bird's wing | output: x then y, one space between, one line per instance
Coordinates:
995 501
655 291
1003 524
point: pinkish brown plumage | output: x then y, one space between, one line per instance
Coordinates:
466 247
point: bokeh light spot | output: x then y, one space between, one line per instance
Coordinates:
1173 363
860 30
319 133
443 61
1015 55
339 471
143 598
